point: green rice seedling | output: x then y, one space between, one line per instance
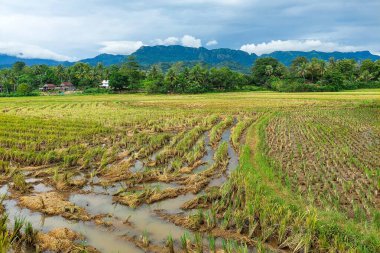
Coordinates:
239 222
4 166
211 120
17 227
200 217
170 244
209 220
225 223
212 245
260 246
376 219
176 163
224 245
19 182
252 226
232 246
283 227
198 241
185 242
5 243
70 160
108 157
29 234
242 248
92 155
3 223
56 175
145 238
2 198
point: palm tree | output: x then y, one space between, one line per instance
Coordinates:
60 73
302 70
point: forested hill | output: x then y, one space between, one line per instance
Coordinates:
235 59
151 55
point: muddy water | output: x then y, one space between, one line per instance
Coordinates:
98 200
94 234
142 219
42 188
233 163
207 158
138 166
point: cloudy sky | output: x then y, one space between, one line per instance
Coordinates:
75 29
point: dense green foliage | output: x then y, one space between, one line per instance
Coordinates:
316 75
269 73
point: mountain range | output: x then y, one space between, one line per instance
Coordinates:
167 55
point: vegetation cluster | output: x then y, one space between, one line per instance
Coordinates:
267 73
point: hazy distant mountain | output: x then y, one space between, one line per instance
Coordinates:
166 55
7 61
105 59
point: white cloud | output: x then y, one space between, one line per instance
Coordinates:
167 42
27 51
212 43
296 45
187 41
190 41
75 27
123 47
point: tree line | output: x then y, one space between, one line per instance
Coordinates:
267 73
316 74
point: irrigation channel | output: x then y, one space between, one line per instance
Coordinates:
122 221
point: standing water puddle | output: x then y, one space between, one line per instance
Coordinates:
94 234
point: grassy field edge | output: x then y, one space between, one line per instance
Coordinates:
292 223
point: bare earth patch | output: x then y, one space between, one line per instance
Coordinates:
61 240
53 203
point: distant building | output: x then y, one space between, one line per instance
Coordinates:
48 87
67 86
105 84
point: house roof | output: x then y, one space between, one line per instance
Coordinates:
50 85
67 84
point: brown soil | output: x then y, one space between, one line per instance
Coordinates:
61 240
117 172
53 203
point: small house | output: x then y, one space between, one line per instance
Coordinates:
105 84
48 87
67 86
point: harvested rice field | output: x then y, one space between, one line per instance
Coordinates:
231 172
